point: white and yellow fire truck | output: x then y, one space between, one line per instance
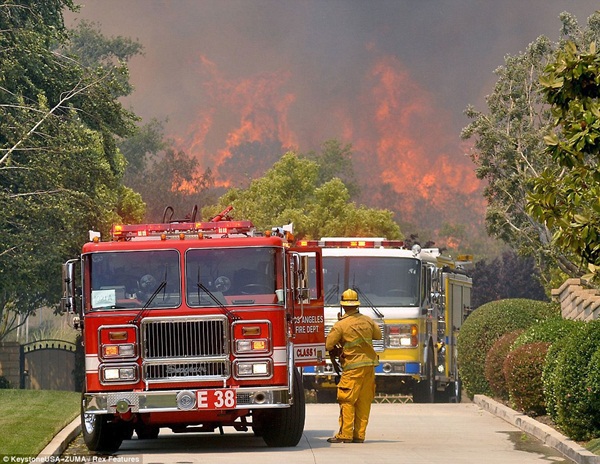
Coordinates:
195 326
418 297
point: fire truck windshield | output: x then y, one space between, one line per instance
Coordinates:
233 276
383 281
128 279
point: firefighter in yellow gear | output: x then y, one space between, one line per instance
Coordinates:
355 333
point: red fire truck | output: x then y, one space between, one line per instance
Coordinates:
195 326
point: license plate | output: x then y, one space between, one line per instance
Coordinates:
224 398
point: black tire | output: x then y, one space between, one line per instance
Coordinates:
424 391
100 434
284 427
128 432
456 391
147 432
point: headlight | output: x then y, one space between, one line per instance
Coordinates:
251 346
401 336
118 351
118 374
244 369
117 342
251 337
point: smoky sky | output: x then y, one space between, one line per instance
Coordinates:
221 71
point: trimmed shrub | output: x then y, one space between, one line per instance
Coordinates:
551 330
576 385
4 383
523 372
593 384
486 325
494 362
549 375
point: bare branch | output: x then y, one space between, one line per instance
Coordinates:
66 96
7 251
32 194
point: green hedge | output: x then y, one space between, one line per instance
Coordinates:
523 372
576 383
555 331
486 325
551 330
494 361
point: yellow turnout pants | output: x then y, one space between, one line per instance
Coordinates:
355 393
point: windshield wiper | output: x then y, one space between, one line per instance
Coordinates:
160 288
364 297
225 309
142 311
333 291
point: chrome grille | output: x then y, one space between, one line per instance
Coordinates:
187 371
378 344
185 348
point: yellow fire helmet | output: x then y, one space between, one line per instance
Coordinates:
350 298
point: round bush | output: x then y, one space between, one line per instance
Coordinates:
4 383
494 361
551 330
575 387
549 376
523 372
486 325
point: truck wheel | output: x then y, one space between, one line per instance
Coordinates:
147 432
99 434
424 391
456 391
284 427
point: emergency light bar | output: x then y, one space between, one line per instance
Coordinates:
148 231
346 242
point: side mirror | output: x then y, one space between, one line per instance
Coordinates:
67 302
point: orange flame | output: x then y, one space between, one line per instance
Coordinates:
398 133
254 109
408 141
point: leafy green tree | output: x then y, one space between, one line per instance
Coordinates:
509 151
60 171
566 195
290 193
335 160
508 276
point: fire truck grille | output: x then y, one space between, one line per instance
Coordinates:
185 348
186 371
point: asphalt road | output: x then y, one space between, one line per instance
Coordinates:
398 433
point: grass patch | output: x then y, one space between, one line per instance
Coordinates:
593 446
29 419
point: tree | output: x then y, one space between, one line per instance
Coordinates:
335 160
162 175
290 193
509 148
60 170
566 196
508 276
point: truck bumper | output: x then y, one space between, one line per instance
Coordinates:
384 368
178 400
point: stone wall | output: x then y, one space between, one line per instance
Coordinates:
10 363
578 300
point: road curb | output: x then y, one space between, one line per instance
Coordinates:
61 441
544 433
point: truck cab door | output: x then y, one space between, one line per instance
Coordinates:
305 305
